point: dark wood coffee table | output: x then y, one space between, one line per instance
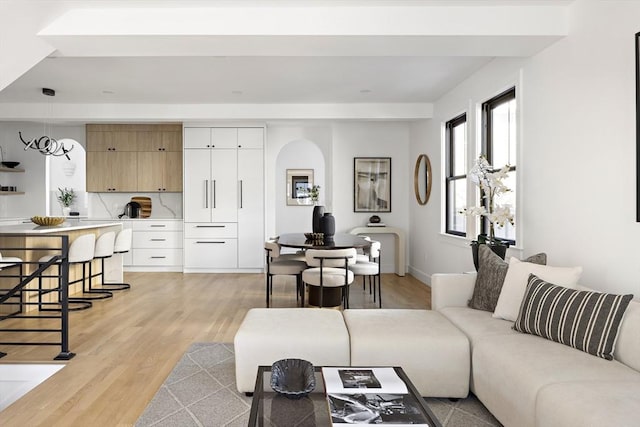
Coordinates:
271 409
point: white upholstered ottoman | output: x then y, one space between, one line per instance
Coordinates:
269 334
431 350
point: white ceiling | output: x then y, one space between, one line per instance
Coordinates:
186 80
414 58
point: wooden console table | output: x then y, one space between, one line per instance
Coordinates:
400 243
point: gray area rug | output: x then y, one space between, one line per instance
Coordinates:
201 391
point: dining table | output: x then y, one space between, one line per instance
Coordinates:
331 296
339 241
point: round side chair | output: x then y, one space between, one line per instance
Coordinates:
329 268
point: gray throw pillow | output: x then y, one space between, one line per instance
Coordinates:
491 273
585 320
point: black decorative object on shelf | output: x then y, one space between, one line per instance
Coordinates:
328 225
293 378
375 219
318 211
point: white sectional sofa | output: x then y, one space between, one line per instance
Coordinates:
527 381
431 350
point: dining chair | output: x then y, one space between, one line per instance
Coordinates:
370 270
280 265
330 269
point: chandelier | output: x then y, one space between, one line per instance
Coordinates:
45 144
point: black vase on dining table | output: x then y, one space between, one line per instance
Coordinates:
328 226
318 211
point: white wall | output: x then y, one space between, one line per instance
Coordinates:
339 143
33 180
577 158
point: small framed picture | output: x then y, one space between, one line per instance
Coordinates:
372 184
299 183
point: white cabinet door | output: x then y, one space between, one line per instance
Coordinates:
197 186
251 138
197 138
224 185
224 137
250 212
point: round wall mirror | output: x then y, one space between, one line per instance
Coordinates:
422 179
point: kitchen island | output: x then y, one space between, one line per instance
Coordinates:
19 240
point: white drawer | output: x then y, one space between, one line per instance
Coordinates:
157 239
210 229
211 253
156 225
157 257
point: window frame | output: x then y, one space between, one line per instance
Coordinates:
450 167
487 144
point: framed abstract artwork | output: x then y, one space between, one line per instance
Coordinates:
299 183
372 184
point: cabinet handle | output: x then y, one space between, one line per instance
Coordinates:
157 225
158 240
240 194
206 193
214 193
210 226
198 241
158 257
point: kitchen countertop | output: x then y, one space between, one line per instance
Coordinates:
31 228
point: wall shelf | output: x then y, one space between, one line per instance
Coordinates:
11 193
4 169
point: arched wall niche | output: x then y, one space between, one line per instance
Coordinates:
298 154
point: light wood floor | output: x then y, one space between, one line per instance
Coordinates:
128 345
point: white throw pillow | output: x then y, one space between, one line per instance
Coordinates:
515 284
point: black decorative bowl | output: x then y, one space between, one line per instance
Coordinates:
293 378
10 165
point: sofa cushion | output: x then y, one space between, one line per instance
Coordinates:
510 370
516 280
430 349
589 403
491 273
587 321
627 348
477 324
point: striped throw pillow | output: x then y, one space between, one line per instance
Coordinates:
585 320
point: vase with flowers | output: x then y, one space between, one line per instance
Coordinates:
491 184
66 197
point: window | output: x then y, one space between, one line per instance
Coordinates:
499 146
456 180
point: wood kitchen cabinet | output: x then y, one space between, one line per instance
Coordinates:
159 171
111 171
142 157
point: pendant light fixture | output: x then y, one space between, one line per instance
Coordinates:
46 144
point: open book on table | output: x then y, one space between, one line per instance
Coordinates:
370 396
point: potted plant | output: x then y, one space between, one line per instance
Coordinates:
491 184
314 192
66 197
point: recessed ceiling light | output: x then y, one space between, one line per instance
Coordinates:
108 92
365 90
236 92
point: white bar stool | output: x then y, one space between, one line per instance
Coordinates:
81 251
8 262
105 248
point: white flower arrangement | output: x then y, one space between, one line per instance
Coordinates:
491 185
